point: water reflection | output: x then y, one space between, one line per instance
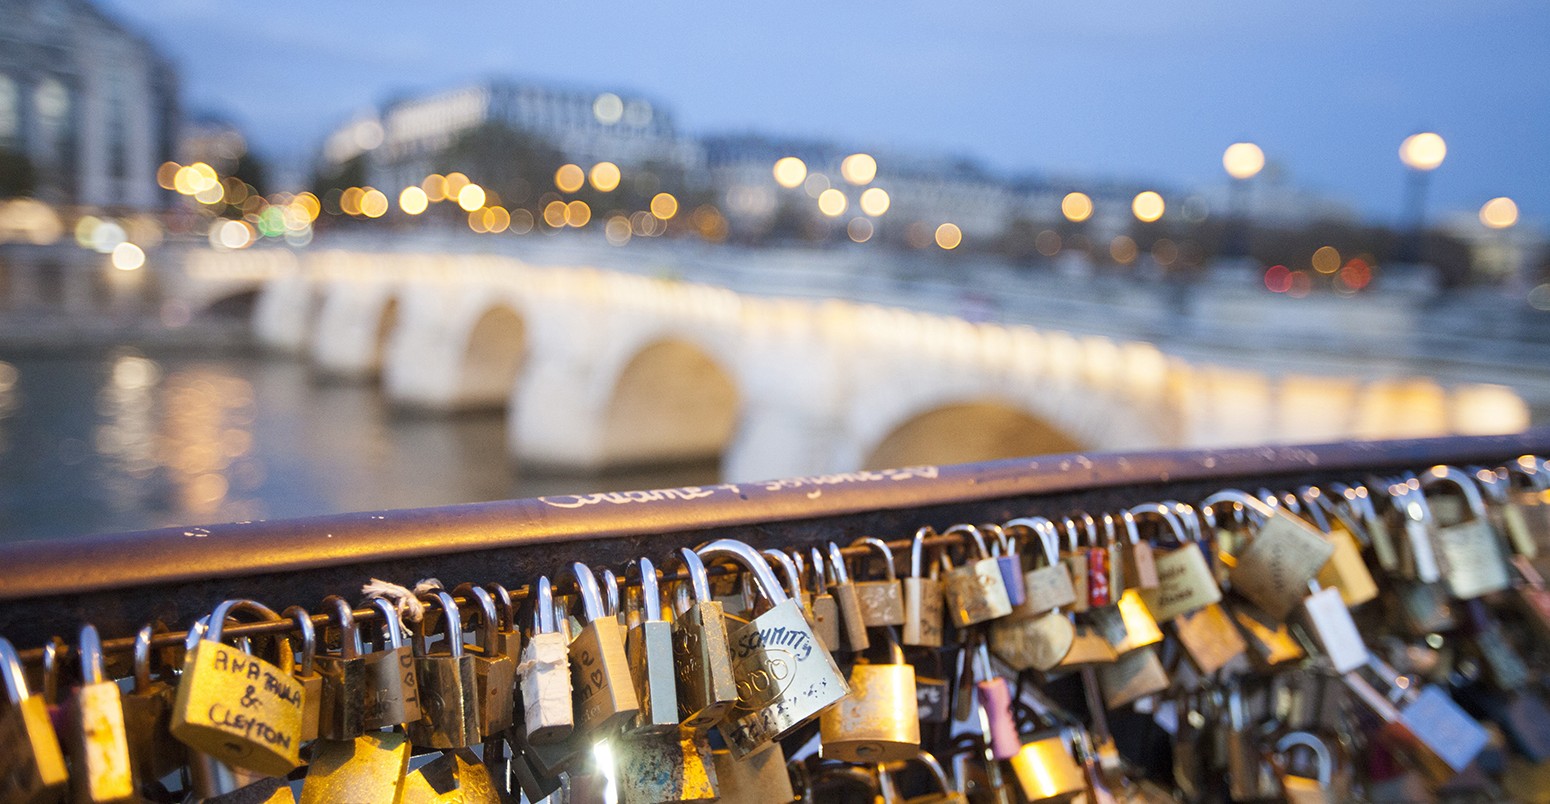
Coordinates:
124 440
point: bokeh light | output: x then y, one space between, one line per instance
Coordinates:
1499 213
790 172
1423 151
859 229
554 214
859 169
605 177
1077 207
374 204
453 184
1326 260
128 257
1278 279
608 109
875 201
1148 206
413 200
577 214
949 236
470 198
664 206
1123 249
435 188
832 203
569 178
1243 160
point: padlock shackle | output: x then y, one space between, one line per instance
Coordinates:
610 592
11 671
837 569
918 549
1130 516
484 614
974 534
1313 501
89 648
1045 530
586 589
229 608
451 620
1465 483
740 553
820 574
142 658
882 547
196 632
997 539
392 624
650 592
788 568
504 607
309 638
1240 499
1321 752
343 616
544 621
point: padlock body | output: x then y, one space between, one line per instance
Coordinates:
1032 643
392 689
545 679
600 677
368 768
784 678
882 602
995 697
826 622
311 705
496 682
455 776
1209 637
975 593
1346 570
878 721
707 689
756 778
1471 559
1274 570
104 771
1336 632
449 707
342 697
1184 583
853 635
1046 769
649 649
239 709
674 765
32 767
1133 675
147 719
1047 588
923 604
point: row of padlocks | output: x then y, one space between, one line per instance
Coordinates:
1346 641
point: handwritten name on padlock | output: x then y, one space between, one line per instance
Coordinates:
247 702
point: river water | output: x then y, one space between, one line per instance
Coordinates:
110 439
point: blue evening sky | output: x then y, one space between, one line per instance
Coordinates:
1131 90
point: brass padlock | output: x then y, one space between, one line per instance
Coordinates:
853 635
496 672
674 765
1132 676
392 689
1140 564
1009 558
784 677
1031 638
508 638
878 721
759 777
707 688
1284 554
1209 638
544 674
449 708
97 740
1468 551
148 716
342 691
369 768
31 764
306 672
825 609
1184 579
456 776
600 674
1140 627
1046 766
649 647
1270 641
1049 586
975 592
1346 570
1074 558
882 601
1297 788
923 600
238 708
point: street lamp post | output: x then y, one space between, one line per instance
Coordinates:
1421 153
1242 161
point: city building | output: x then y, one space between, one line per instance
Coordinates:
91 105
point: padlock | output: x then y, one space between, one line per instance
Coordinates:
369 768
1029 638
210 780
707 689
1419 719
392 689
496 672
784 677
238 708
1331 624
878 721
1140 561
608 591
853 635
1074 558
974 593
648 645
825 608
97 742
922 598
1209 638
1284 554
1504 666
668 766
1249 771
1297 788
1132 676
1049 586
544 674
1114 546
882 601
1346 570
1526 507
1354 506
456 776
1418 559
537 770
1045 766
342 698
1423 608
1140 628
1088 648
1009 558
1184 579
944 792
994 695
1270 640
306 672
759 777
148 717
601 683
449 706
789 571
1468 552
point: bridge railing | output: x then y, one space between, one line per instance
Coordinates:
120 582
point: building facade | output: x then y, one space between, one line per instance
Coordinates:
89 104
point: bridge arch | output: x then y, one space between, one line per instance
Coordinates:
981 429
671 402
492 357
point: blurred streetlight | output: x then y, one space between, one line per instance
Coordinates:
1148 206
1499 213
1242 161
1422 153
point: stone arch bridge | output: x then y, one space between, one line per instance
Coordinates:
598 370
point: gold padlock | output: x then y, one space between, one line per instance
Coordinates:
600 672
31 764
369 768
1284 554
882 601
707 689
449 711
975 592
99 743
306 672
238 708
495 671
923 600
879 721
674 765
148 715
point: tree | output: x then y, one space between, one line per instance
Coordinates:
251 170
518 165
16 174
349 173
